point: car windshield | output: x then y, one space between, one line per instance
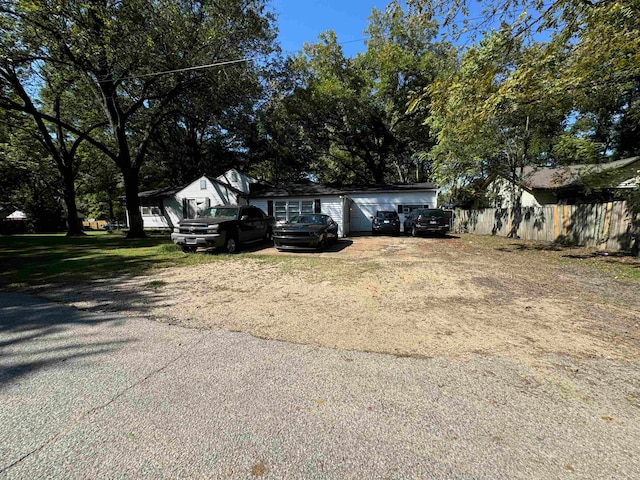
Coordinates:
387 215
431 213
220 212
309 219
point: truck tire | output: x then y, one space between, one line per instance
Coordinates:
231 244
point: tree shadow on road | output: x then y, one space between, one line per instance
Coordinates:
36 334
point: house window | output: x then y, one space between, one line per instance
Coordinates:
203 184
281 210
285 209
151 211
306 206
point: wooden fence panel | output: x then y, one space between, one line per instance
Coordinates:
605 226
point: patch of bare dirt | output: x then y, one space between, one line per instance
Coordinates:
404 296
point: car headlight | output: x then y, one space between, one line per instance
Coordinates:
212 228
176 230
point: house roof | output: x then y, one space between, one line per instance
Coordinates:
224 184
410 187
160 192
553 178
170 191
308 188
12 213
298 189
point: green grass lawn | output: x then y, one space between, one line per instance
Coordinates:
53 258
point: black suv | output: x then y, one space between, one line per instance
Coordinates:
427 220
385 221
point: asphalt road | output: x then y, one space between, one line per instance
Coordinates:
84 395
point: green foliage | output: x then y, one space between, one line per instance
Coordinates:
347 116
87 72
515 101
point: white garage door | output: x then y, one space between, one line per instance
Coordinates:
361 214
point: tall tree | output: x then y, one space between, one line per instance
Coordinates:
348 115
483 126
120 51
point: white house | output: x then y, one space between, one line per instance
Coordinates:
162 209
350 207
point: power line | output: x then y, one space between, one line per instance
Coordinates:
187 69
219 64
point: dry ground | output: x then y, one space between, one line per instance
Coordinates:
422 297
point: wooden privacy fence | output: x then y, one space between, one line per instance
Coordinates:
607 226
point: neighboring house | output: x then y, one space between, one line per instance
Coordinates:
12 221
17 215
162 209
567 184
350 207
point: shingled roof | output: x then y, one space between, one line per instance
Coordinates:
160 192
304 188
554 178
308 188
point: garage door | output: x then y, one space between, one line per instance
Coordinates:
361 214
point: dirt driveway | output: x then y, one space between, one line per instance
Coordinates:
423 297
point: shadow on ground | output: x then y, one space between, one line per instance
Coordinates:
34 334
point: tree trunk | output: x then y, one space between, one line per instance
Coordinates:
136 227
74 227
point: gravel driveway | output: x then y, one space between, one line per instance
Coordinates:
402 358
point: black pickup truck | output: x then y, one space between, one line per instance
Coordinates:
223 226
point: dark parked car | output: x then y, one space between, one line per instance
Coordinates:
114 226
385 222
305 232
427 220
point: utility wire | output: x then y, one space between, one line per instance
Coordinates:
219 64
197 67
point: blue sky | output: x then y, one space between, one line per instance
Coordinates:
302 21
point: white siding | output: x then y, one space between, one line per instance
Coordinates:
216 193
237 180
212 194
331 206
501 189
366 204
155 222
173 211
